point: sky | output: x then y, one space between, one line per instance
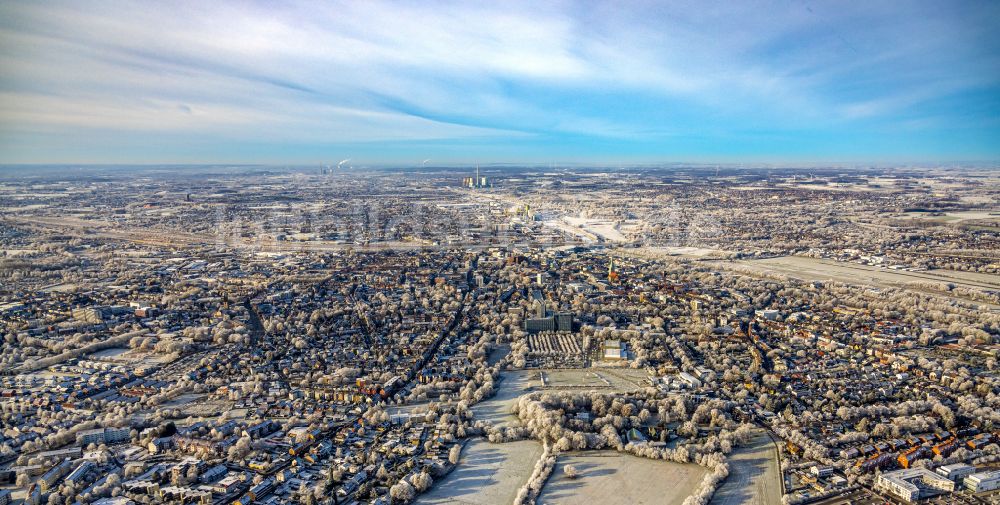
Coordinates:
499 82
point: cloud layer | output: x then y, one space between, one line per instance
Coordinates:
498 81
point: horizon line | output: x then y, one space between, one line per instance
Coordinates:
749 164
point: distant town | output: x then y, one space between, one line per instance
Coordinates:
499 335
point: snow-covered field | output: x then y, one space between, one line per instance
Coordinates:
608 230
513 385
487 474
814 269
610 378
754 477
608 477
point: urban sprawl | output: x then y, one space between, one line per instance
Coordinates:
487 335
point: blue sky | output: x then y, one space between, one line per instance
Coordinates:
533 82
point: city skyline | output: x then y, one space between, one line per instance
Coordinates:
382 83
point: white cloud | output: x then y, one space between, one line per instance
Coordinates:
380 70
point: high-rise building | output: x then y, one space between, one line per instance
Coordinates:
564 321
475 182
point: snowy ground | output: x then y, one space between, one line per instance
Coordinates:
608 230
487 474
814 269
511 387
604 379
608 477
754 477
